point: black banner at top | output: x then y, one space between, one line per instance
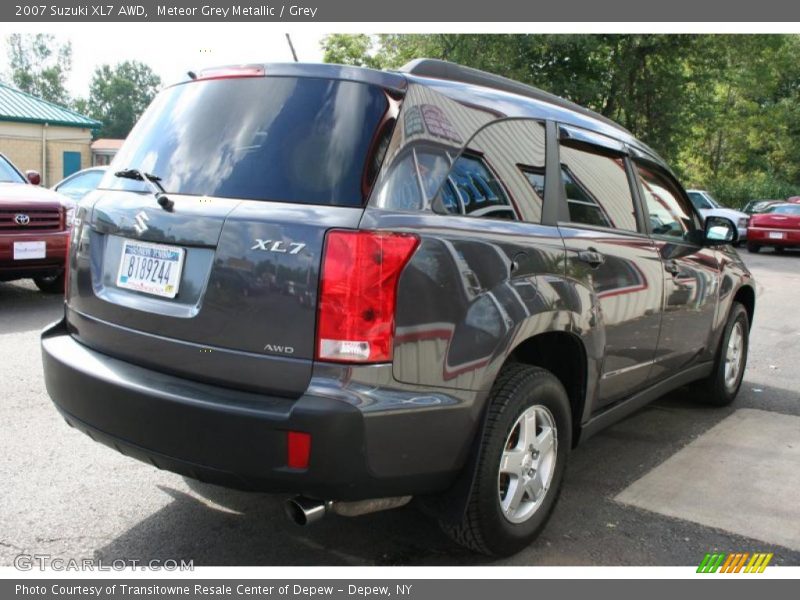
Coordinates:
453 11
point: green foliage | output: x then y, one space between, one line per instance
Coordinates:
350 49
119 95
40 66
724 110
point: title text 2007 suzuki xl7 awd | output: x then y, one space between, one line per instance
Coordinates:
359 287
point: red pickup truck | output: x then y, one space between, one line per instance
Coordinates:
34 229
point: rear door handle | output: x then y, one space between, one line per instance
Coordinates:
591 257
672 267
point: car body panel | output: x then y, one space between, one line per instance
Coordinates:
492 272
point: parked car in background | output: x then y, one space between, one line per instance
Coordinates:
34 229
705 203
77 185
778 227
793 199
758 206
360 286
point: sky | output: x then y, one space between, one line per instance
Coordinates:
170 49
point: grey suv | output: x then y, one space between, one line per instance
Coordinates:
359 287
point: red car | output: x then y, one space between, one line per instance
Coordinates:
34 229
778 226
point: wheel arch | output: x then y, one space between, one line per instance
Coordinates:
563 354
746 296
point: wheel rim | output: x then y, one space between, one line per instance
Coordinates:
527 464
734 356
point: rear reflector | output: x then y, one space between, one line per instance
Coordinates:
360 271
298 449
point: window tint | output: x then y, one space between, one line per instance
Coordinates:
477 188
489 179
784 209
700 202
84 181
290 139
8 173
669 213
414 179
597 188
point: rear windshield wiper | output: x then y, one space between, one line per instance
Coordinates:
152 181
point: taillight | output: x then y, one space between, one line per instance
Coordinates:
360 271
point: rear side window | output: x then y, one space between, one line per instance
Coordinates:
668 211
284 139
472 189
597 188
491 178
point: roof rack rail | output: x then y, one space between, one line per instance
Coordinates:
442 69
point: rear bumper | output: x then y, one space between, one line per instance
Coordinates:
238 439
55 254
764 235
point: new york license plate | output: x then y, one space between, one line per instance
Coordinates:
150 268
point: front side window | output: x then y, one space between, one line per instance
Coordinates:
597 188
669 213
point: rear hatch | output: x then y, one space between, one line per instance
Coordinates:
257 169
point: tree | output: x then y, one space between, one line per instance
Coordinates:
724 110
40 65
119 95
349 49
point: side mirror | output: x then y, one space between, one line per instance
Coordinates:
33 177
720 231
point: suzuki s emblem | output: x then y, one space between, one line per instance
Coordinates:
22 219
141 222
279 246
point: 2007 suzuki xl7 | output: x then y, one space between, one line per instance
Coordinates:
359 286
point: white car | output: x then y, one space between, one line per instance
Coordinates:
709 207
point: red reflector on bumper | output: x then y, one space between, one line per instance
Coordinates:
298 446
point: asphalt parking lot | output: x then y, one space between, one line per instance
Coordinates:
65 496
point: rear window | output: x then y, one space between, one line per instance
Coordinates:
284 139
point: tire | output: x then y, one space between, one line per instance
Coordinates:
718 389
485 527
52 284
753 248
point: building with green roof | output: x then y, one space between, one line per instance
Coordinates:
45 137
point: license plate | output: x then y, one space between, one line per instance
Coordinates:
29 250
776 235
150 268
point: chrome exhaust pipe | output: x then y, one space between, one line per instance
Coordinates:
305 511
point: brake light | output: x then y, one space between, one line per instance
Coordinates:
358 292
231 72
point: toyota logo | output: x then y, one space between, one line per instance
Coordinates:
22 219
